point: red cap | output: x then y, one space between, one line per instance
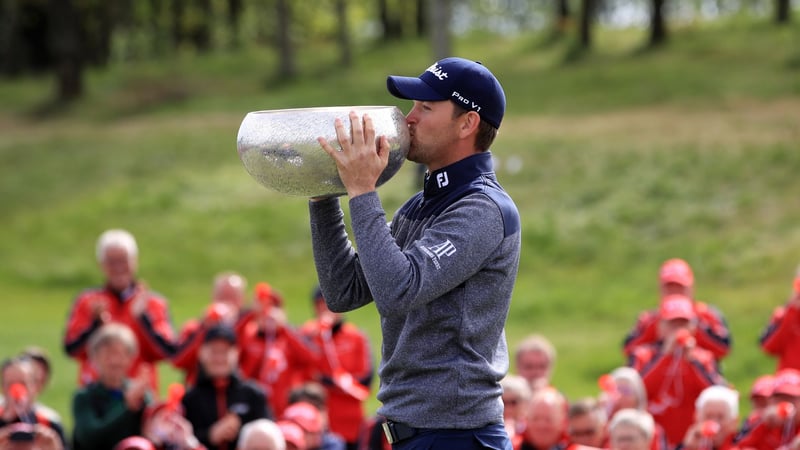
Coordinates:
267 296
676 306
306 415
292 433
135 443
787 382
763 386
676 271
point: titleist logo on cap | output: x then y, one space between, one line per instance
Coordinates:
437 71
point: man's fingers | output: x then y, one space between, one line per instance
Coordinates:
369 129
356 128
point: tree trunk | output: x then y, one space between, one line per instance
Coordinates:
343 34
441 42
67 50
658 28
286 64
423 24
177 10
587 17
201 31
782 11
235 8
391 25
562 15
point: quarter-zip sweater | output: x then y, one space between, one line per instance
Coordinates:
441 276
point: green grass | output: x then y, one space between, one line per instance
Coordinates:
629 157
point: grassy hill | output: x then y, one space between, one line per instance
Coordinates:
617 160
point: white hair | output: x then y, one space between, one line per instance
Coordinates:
641 420
116 238
633 377
517 385
262 431
722 394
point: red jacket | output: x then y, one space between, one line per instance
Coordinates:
351 352
712 331
277 363
153 329
673 383
781 338
759 435
191 338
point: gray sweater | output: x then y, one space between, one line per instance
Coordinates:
441 276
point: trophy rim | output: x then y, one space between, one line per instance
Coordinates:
323 109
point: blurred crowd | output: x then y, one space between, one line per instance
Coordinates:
253 381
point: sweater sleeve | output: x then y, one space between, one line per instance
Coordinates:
452 249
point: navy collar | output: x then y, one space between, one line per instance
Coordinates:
458 174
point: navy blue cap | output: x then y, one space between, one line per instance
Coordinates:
222 332
466 83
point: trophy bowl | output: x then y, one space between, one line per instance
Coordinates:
279 148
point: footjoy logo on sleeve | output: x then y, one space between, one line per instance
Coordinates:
438 251
437 72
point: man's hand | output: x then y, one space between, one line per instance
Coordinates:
225 429
46 439
138 387
360 162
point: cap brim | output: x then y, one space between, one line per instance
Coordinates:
412 88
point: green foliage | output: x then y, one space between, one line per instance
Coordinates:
617 160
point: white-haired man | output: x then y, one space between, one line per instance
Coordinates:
122 299
631 429
716 416
261 434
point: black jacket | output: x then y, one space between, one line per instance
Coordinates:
244 398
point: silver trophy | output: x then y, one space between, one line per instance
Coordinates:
279 148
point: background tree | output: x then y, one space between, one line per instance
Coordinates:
343 33
390 21
782 11
658 27
441 42
67 51
563 16
587 18
286 62
235 8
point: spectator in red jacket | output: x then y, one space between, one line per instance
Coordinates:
273 354
779 423
516 396
716 417
674 370
781 337
227 307
676 277
760 395
535 359
345 370
622 389
123 299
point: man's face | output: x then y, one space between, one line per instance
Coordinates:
433 131
534 366
112 362
218 358
229 291
628 437
586 429
118 267
546 424
672 288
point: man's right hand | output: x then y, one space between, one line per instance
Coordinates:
225 429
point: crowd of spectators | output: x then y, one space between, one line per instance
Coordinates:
253 381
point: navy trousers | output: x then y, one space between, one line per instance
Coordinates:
489 437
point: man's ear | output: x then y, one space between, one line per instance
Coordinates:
469 123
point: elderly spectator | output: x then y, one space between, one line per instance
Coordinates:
346 368
41 371
308 417
261 434
779 423
24 424
781 337
626 390
122 299
586 423
110 409
227 300
221 402
315 394
516 396
546 427
716 417
760 394
535 359
167 428
631 429
293 434
674 369
676 278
